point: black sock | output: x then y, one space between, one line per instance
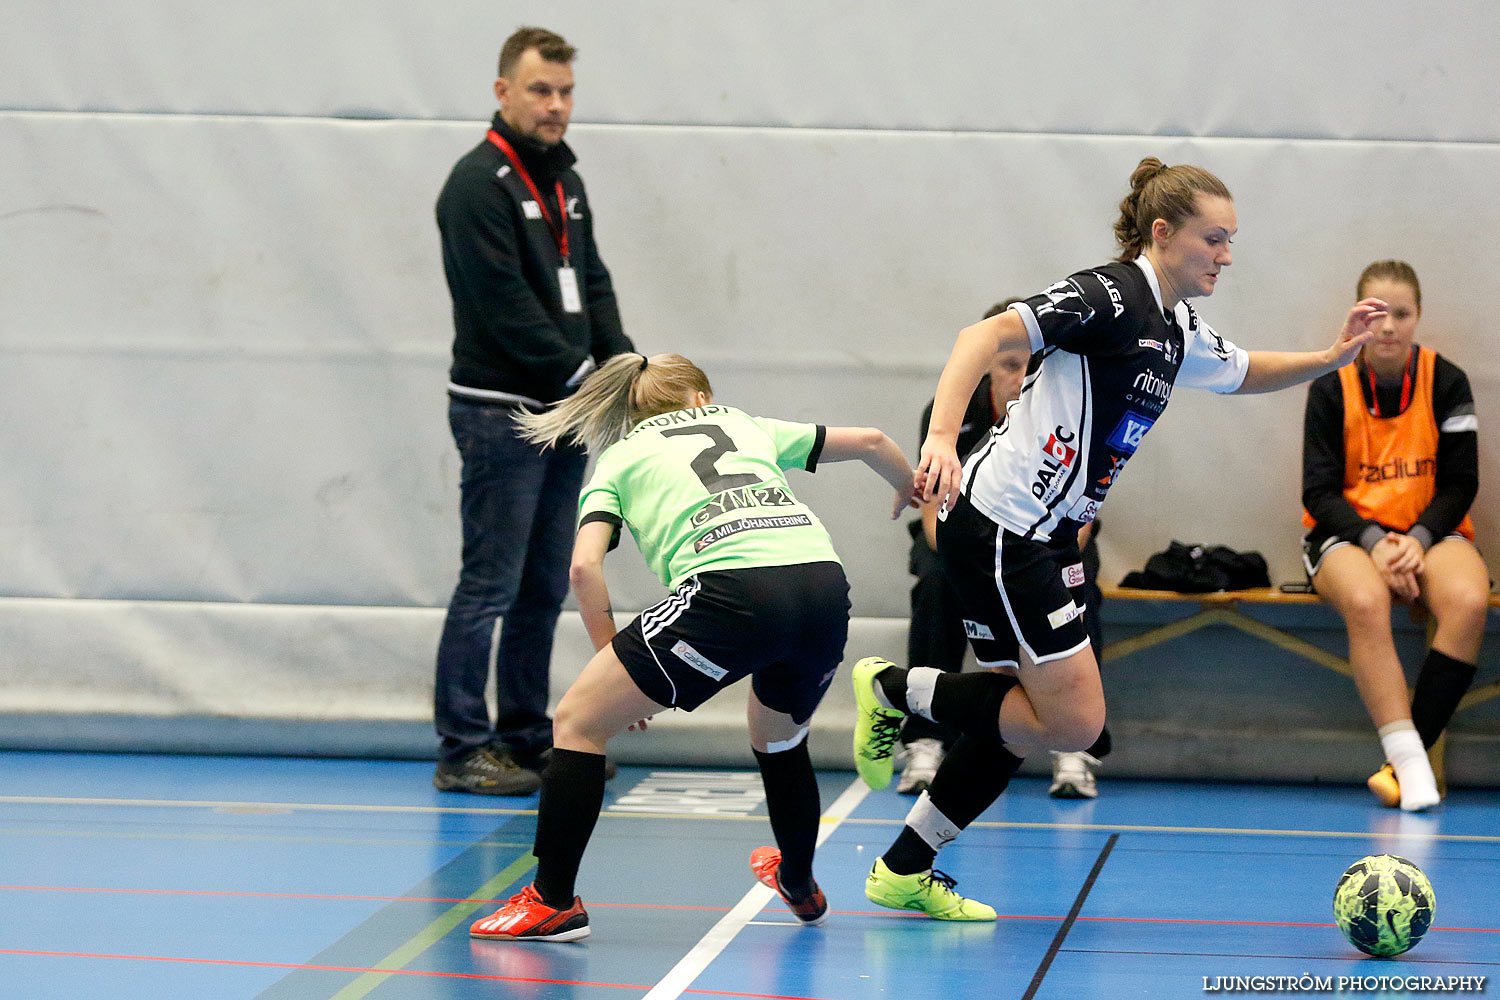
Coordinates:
892 681
971 778
1101 746
971 702
572 795
1440 687
967 702
793 807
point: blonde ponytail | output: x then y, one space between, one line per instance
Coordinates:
625 390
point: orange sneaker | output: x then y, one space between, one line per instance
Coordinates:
525 917
1384 786
812 910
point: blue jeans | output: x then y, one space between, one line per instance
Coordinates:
518 505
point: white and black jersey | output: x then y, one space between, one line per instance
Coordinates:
1105 358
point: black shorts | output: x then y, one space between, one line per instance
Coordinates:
1018 595
1317 543
785 625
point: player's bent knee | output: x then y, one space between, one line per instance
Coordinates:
1367 606
1078 735
574 725
770 746
1076 729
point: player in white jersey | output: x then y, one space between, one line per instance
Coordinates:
1109 344
757 591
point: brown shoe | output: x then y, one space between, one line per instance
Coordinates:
486 771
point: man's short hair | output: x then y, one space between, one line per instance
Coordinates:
549 44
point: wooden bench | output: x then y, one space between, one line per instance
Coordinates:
1225 608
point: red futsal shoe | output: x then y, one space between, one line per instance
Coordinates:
525 917
812 910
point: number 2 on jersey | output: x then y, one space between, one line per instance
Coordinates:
703 463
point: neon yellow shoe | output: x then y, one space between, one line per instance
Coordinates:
930 892
876 728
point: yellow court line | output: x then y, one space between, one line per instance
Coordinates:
253 838
1224 830
731 817
252 808
52 800
435 931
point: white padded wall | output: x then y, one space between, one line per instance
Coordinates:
1385 69
226 332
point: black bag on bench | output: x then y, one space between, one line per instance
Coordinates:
1200 569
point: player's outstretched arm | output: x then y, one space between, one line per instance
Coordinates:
939 466
1272 370
876 449
586 574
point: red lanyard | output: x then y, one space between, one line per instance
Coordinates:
1405 386
559 227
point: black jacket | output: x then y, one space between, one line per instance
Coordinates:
513 340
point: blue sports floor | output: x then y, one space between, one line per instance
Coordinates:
158 878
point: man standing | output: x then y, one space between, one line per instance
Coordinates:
533 312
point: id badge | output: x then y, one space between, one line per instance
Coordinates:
567 278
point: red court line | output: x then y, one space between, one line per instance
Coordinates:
669 906
313 895
296 966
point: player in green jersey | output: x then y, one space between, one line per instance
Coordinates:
757 591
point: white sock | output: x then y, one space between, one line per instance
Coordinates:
920 683
929 823
1403 748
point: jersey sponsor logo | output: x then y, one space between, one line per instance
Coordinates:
741 498
531 210
974 630
572 207
1168 348
1126 436
1058 449
1401 468
1066 298
1064 614
1058 457
687 654
1115 298
1154 385
1084 509
1072 576
724 531
1116 464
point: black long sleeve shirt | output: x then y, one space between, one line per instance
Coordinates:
513 339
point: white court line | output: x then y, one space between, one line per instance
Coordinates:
685 972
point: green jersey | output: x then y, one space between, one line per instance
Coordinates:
705 489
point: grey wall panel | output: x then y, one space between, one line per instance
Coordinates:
1263 68
226 338
172 660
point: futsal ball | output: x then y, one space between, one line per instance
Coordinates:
1383 904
